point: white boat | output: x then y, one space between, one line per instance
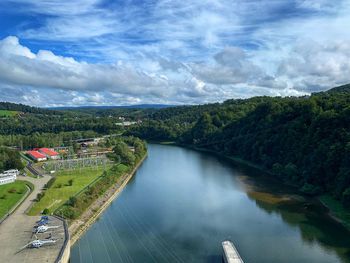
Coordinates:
230 253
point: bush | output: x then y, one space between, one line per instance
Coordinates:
45 211
70 182
68 212
3 196
50 182
39 196
12 190
72 201
59 186
310 189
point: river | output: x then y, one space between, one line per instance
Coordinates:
181 204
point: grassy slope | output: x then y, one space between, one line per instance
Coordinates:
8 113
116 172
54 197
11 199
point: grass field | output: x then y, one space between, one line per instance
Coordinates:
8 113
10 194
60 191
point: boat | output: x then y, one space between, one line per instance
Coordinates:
230 253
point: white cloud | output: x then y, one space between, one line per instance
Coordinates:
157 80
174 51
313 66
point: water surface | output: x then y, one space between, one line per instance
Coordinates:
181 204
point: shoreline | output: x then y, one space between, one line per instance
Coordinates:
332 213
78 227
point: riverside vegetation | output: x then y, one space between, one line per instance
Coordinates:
127 153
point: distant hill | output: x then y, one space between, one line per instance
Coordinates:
340 89
138 106
14 107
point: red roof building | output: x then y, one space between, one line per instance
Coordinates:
48 152
36 155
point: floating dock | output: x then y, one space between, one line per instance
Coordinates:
230 253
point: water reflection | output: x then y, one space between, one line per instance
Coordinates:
308 216
182 204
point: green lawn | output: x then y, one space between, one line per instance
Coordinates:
10 194
8 113
60 191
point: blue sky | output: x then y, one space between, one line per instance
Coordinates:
104 52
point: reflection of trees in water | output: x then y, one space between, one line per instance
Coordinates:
313 223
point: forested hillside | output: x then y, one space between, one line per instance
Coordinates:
304 141
25 109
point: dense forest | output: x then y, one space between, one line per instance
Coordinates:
304 141
9 159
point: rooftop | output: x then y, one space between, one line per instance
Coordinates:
48 151
36 154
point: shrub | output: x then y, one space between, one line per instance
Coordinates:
68 212
59 186
3 196
72 201
39 196
311 189
50 182
70 182
45 211
12 190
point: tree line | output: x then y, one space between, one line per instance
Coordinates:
304 141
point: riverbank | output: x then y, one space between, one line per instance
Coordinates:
79 226
336 210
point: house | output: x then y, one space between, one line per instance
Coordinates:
49 153
8 176
37 156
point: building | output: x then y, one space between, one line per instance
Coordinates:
13 172
49 153
37 156
8 176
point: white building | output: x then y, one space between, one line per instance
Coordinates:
8 176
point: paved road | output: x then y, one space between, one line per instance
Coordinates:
15 232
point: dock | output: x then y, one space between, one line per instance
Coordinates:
230 253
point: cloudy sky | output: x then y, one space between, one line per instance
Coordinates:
117 52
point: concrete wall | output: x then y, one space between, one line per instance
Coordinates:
64 254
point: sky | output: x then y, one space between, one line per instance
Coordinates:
105 52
